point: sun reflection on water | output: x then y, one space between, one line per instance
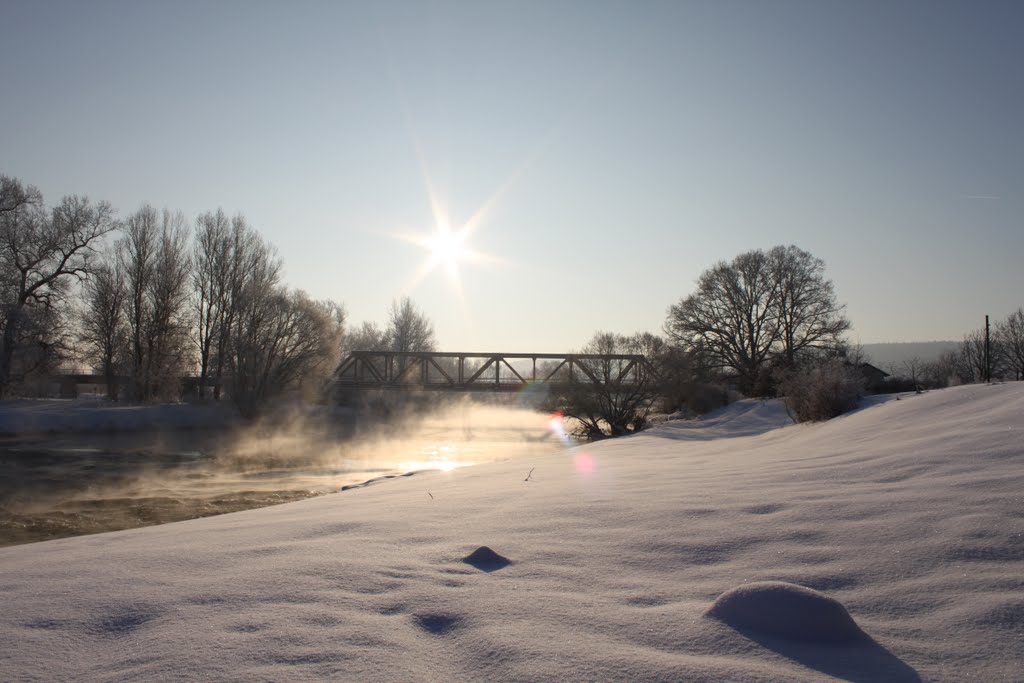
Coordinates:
444 458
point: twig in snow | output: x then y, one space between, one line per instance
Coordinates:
530 474
431 495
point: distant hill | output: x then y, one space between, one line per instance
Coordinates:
886 355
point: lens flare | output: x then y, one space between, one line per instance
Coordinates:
584 463
557 427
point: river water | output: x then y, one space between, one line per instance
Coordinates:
60 485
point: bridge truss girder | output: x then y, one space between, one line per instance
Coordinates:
457 371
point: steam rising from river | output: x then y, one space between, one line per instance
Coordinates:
311 452
70 484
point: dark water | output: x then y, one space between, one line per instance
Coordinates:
54 486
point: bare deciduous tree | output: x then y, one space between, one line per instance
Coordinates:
732 317
617 401
153 254
914 369
102 322
1010 336
760 307
971 357
280 339
367 337
940 372
808 315
211 288
41 253
409 329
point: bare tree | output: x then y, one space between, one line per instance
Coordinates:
760 309
41 253
255 299
809 318
280 340
914 369
618 396
102 322
1010 336
136 252
366 337
971 357
168 349
409 329
17 198
211 286
227 256
941 371
732 318
153 254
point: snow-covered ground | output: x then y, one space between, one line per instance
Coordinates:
674 555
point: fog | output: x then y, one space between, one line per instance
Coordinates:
63 485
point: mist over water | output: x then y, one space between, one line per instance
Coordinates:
65 485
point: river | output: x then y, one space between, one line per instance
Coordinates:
60 485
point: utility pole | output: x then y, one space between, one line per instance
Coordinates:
988 354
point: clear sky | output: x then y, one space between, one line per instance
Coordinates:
616 149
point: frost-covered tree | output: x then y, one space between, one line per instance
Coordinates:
212 259
367 337
409 328
279 341
102 330
42 252
227 256
153 255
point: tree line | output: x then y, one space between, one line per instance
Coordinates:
163 300
970 362
169 298
768 323
760 322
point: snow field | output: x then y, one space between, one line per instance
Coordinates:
904 521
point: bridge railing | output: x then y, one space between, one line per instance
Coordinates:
466 371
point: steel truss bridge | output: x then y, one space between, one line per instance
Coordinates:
491 371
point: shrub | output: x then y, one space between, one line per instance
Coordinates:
821 392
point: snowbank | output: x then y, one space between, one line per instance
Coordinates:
602 566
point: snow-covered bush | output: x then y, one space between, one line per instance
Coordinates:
821 391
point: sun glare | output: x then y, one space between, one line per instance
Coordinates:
446 248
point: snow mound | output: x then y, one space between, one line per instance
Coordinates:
485 559
786 610
748 417
437 624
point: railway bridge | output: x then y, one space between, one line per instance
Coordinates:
466 371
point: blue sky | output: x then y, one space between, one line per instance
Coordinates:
620 148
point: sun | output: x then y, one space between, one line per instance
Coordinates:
447 248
